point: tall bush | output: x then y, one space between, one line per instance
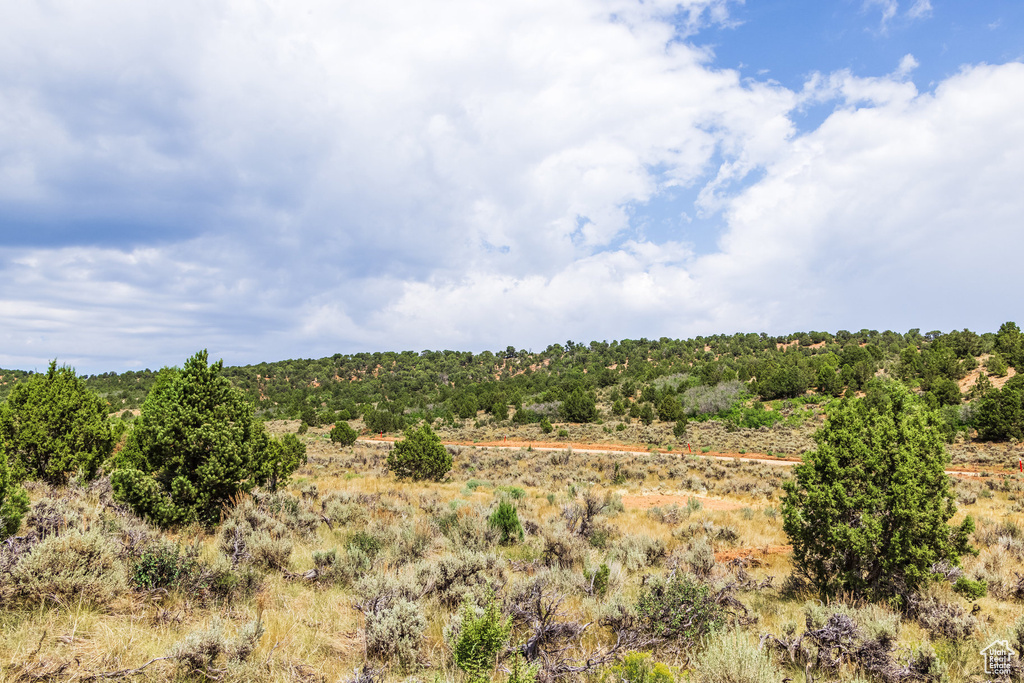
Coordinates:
195 445
420 455
283 457
343 434
53 426
480 639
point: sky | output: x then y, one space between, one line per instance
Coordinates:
273 180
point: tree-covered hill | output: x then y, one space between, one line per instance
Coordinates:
724 376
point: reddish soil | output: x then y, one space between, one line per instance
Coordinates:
972 377
649 500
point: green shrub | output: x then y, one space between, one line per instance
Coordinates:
505 519
165 565
195 446
343 434
637 667
366 543
679 428
421 455
513 492
972 590
13 499
563 434
52 426
480 639
383 421
1000 413
283 457
669 409
545 426
579 406
520 671
996 365
598 579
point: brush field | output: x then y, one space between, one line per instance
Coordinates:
350 575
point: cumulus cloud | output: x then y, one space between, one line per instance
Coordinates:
303 178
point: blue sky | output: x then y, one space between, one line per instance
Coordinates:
295 180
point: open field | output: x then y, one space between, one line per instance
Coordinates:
348 566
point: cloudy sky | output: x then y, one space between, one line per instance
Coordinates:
276 179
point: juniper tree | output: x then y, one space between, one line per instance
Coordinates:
420 455
867 511
195 445
53 426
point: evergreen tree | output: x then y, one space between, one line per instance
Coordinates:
420 455
284 456
196 444
867 511
579 406
53 426
343 434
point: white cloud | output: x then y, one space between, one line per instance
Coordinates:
920 9
890 10
298 179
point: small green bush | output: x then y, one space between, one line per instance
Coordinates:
598 579
13 499
480 639
637 667
53 426
972 590
165 565
283 457
563 433
196 445
505 519
520 671
421 455
343 434
545 426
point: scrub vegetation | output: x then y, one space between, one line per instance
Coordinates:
817 507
